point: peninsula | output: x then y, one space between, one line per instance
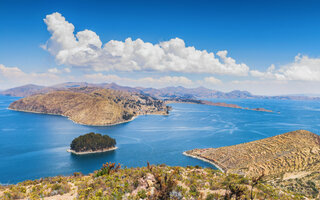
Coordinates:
210 103
289 161
290 152
92 106
92 143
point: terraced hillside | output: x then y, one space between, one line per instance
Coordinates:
282 155
92 106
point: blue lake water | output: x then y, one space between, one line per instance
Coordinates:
34 145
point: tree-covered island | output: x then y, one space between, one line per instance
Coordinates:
92 143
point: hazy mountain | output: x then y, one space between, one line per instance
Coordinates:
162 93
24 90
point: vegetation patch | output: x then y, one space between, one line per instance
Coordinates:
92 142
153 182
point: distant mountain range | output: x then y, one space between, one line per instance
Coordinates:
163 93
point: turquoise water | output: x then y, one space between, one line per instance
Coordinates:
34 145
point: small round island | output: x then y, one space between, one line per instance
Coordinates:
92 143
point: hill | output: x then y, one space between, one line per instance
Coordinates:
151 182
276 156
92 106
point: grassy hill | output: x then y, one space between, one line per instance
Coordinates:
151 182
92 106
289 152
289 161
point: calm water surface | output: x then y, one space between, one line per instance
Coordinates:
34 145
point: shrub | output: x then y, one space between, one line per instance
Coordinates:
107 169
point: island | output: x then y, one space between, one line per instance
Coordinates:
92 143
92 106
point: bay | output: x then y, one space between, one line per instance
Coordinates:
34 145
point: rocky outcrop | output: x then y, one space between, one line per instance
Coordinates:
92 106
289 152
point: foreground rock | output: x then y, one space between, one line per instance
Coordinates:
92 106
291 152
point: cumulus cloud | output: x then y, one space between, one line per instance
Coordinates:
143 82
85 49
303 68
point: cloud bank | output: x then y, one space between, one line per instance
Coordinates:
13 76
303 68
159 82
85 49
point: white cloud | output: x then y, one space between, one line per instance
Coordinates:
272 87
54 70
142 82
85 49
57 71
303 68
68 70
13 76
212 80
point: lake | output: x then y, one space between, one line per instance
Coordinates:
34 145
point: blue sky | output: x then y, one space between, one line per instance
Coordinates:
254 33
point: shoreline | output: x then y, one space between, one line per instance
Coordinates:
28 111
113 124
205 160
225 106
91 152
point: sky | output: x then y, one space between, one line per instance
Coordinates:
264 47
